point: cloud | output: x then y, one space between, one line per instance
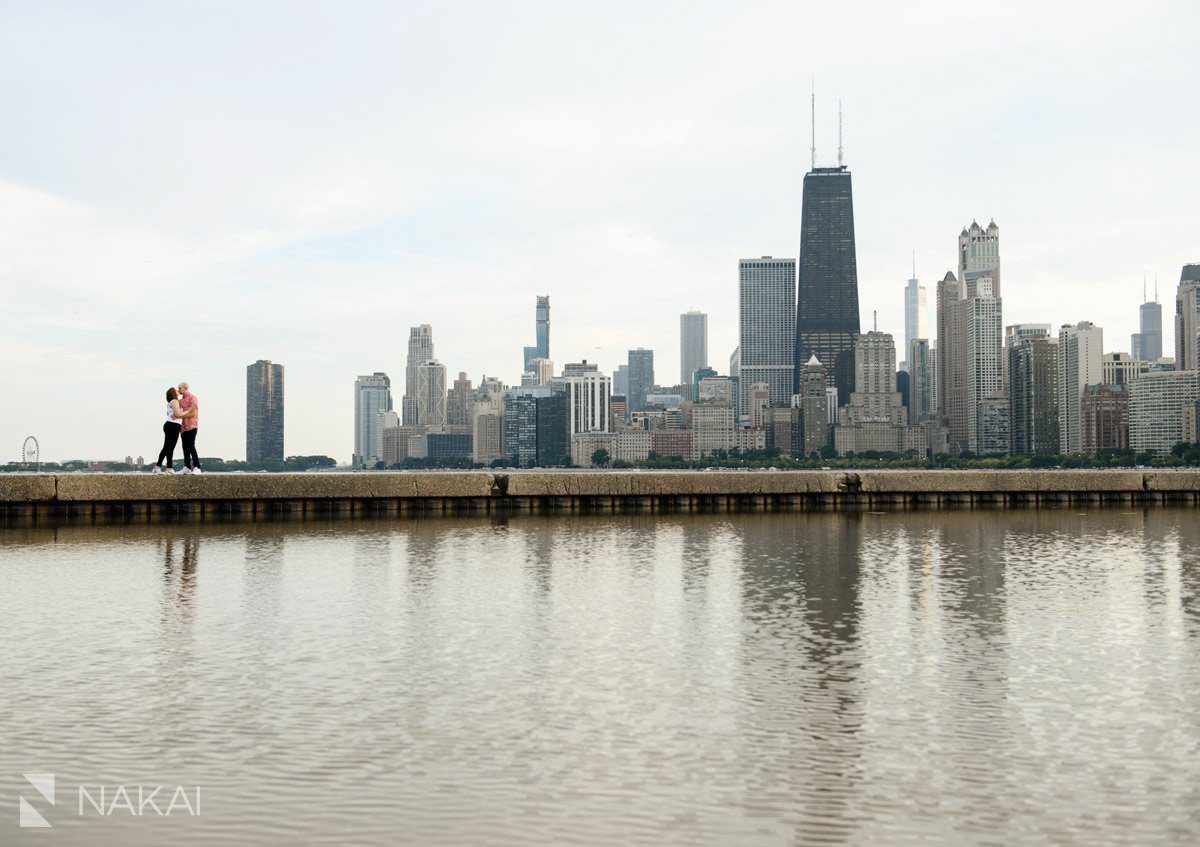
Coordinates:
187 192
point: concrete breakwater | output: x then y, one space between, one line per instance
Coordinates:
143 497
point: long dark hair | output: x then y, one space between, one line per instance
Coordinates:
172 394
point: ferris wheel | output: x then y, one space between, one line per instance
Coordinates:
31 453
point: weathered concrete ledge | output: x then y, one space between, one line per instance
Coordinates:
144 497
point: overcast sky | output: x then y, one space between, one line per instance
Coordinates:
188 187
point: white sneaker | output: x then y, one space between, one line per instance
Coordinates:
157 469
185 470
195 470
169 470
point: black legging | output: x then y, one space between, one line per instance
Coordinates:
170 437
189 449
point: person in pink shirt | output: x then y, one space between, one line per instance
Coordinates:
191 425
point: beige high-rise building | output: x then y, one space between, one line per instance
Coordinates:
693 345
487 421
1079 365
1187 319
716 389
814 402
951 360
431 394
1157 409
712 429
759 399
458 401
875 398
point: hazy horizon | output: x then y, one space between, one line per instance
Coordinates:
187 189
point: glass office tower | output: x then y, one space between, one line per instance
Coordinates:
827 292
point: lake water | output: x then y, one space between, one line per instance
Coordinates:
988 677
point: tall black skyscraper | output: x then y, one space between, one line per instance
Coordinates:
827 297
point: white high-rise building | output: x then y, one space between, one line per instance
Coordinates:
588 392
420 349
984 374
372 395
693 345
431 394
1121 368
1080 348
979 253
915 315
767 326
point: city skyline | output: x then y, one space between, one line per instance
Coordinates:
314 247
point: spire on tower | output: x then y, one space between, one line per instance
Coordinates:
914 276
813 124
875 319
839 132
1143 286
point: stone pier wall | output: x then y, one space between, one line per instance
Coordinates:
145 497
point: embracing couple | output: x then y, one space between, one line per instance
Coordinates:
183 419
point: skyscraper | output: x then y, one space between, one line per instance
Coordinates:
1146 343
827 290
588 396
814 408
875 398
970 367
767 327
1187 320
1013 334
1079 365
264 411
951 360
541 315
693 345
372 395
431 394
979 253
420 349
1157 401
535 427
621 380
920 386
985 381
915 323
1033 393
640 378
458 401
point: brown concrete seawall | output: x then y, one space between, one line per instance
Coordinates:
144 497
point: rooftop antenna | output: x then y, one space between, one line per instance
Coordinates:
839 132
875 319
1143 286
813 123
914 276
1156 286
